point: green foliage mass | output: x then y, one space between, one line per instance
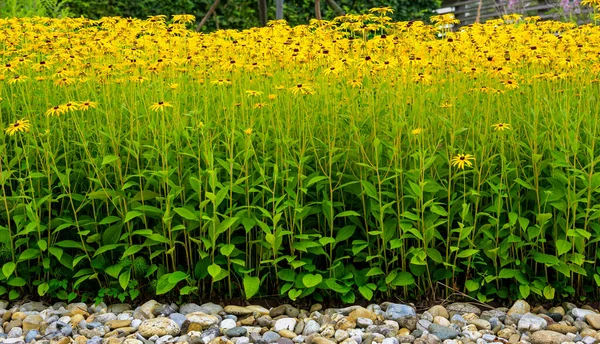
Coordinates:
231 14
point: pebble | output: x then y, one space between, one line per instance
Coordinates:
210 323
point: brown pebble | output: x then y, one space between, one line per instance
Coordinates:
113 324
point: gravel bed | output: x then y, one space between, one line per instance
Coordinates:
209 323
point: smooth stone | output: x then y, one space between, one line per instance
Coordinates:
341 335
277 311
15 332
149 309
32 307
32 322
519 307
94 340
321 340
31 335
94 324
328 331
226 324
66 330
439 311
462 308
190 308
204 320
78 308
547 337
237 310
423 324
593 320
291 311
316 307
405 315
96 332
119 308
270 336
392 340
493 313
242 340
558 310
287 334
209 335
208 308
361 312
442 332
135 323
364 322
555 316
481 324
113 324
310 327
265 321
103 318
562 328
176 317
531 322
285 324
441 321
158 327
236 332
581 313
458 320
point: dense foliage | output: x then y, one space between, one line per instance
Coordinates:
229 15
351 158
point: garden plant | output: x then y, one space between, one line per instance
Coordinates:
355 158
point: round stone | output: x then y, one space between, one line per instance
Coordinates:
285 324
158 327
236 332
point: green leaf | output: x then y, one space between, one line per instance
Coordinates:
549 292
251 286
109 159
347 213
214 270
132 215
177 277
8 269
227 249
524 290
310 280
17 282
226 224
374 272
403 279
563 246
187 290
186 214
293 294
124 279
366 292
466 253
471 285
14 294
163 285
287 275
43 288
28 254
42 244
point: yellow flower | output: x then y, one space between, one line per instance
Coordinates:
416 131
272 96
184 18
55 111
461 160
17 78
220 82
355 83
382 10
87 105
160 106
446 104
591 3
248 131
173 86
501 126
20 125
302 89
260 105
251 93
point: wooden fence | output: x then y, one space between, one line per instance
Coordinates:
468 10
